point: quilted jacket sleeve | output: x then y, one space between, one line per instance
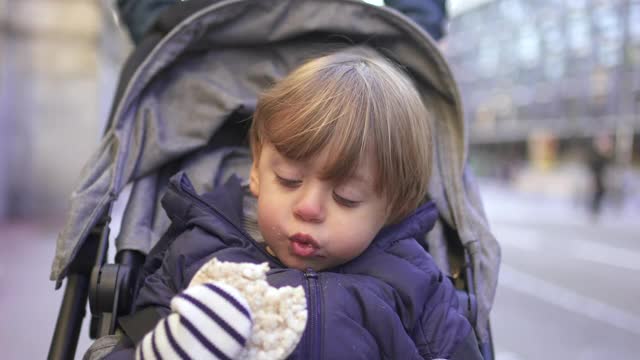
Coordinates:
186 254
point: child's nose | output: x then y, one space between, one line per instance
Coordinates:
310 207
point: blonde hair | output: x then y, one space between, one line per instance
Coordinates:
349 102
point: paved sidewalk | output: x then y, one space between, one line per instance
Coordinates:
564 277
29 304
504 203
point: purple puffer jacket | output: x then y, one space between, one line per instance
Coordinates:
391 302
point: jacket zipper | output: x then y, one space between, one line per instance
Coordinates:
206 206
312 345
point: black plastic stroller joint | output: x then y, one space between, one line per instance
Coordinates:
112 291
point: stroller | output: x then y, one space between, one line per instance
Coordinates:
182 104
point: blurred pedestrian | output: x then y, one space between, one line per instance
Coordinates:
600 155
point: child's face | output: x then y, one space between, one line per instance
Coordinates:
313 223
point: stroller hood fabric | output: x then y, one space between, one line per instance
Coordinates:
207 61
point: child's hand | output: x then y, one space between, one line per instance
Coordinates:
209 321
279 315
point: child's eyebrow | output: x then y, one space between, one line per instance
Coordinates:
280 160
358 178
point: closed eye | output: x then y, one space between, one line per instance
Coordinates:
288 183
345 202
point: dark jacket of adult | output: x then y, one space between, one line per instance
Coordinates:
139 15
391 302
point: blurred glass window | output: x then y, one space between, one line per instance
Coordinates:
610 34
528 46
488 56
513 10
577 4
578 28
634 21
464 70
507 42
554 43
554 40
469 22
554 67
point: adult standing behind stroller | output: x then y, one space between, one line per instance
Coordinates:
138 15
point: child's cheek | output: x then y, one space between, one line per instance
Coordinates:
270 214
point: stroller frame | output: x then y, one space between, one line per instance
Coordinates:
110 288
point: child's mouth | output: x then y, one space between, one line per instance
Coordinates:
303 245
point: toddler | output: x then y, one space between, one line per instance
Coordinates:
336 202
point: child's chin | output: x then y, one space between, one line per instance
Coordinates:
303 265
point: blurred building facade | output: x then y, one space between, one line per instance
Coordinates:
550 72
58 65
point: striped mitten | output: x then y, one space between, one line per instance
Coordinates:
209 321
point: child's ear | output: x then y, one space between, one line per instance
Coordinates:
254 180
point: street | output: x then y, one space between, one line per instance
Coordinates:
568 285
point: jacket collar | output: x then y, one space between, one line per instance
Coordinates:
183 203
415 225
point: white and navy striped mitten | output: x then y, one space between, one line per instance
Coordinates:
209 321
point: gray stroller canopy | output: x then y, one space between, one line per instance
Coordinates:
213 65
